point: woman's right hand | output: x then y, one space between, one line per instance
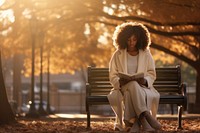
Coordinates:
123 81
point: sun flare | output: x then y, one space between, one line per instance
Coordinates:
1 2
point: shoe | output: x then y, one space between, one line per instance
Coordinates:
128 125
118 128
135 128
145 125
152 121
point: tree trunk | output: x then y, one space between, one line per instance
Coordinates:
194 108
17 67
6 114
198 87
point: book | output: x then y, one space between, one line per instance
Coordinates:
131 77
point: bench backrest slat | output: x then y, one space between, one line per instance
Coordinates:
168 80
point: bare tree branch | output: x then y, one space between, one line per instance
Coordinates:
125 18
192 5
179 56
178 33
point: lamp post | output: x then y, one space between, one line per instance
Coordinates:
48 83
41 108
32 111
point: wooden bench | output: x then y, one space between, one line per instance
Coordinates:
168 83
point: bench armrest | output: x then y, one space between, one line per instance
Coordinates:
87 89
183 89
184 93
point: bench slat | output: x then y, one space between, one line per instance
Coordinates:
169 99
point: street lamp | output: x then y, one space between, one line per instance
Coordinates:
32 111
41 108
48 83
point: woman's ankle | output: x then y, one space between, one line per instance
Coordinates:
151 120
145 125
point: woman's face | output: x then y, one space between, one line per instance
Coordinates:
132 41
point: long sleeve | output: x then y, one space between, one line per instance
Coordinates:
151 72
113 71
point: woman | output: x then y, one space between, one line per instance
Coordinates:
135 102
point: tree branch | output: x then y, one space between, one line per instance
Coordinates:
184 33
164 33
179 56
125 18
193 49
193 5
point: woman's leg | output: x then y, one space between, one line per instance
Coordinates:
136 98
155 103
151 120
153 98
129 112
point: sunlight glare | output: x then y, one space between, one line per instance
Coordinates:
108 10
2 2
87 29
7 14
76 116
103 40
122 6
139 12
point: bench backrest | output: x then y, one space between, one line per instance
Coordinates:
168 80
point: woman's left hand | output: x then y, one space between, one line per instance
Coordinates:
142 81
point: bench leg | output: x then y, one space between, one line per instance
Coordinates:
88 119
172 109
180 111
88 113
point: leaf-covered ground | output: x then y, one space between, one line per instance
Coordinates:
47 125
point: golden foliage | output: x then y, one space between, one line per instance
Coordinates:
161 56
60 26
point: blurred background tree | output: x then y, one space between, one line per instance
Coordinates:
79 33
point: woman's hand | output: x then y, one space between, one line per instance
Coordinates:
142 81
123 81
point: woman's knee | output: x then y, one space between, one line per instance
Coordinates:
157 95
133 84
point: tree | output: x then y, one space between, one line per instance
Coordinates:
173 29
74 28
6 114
